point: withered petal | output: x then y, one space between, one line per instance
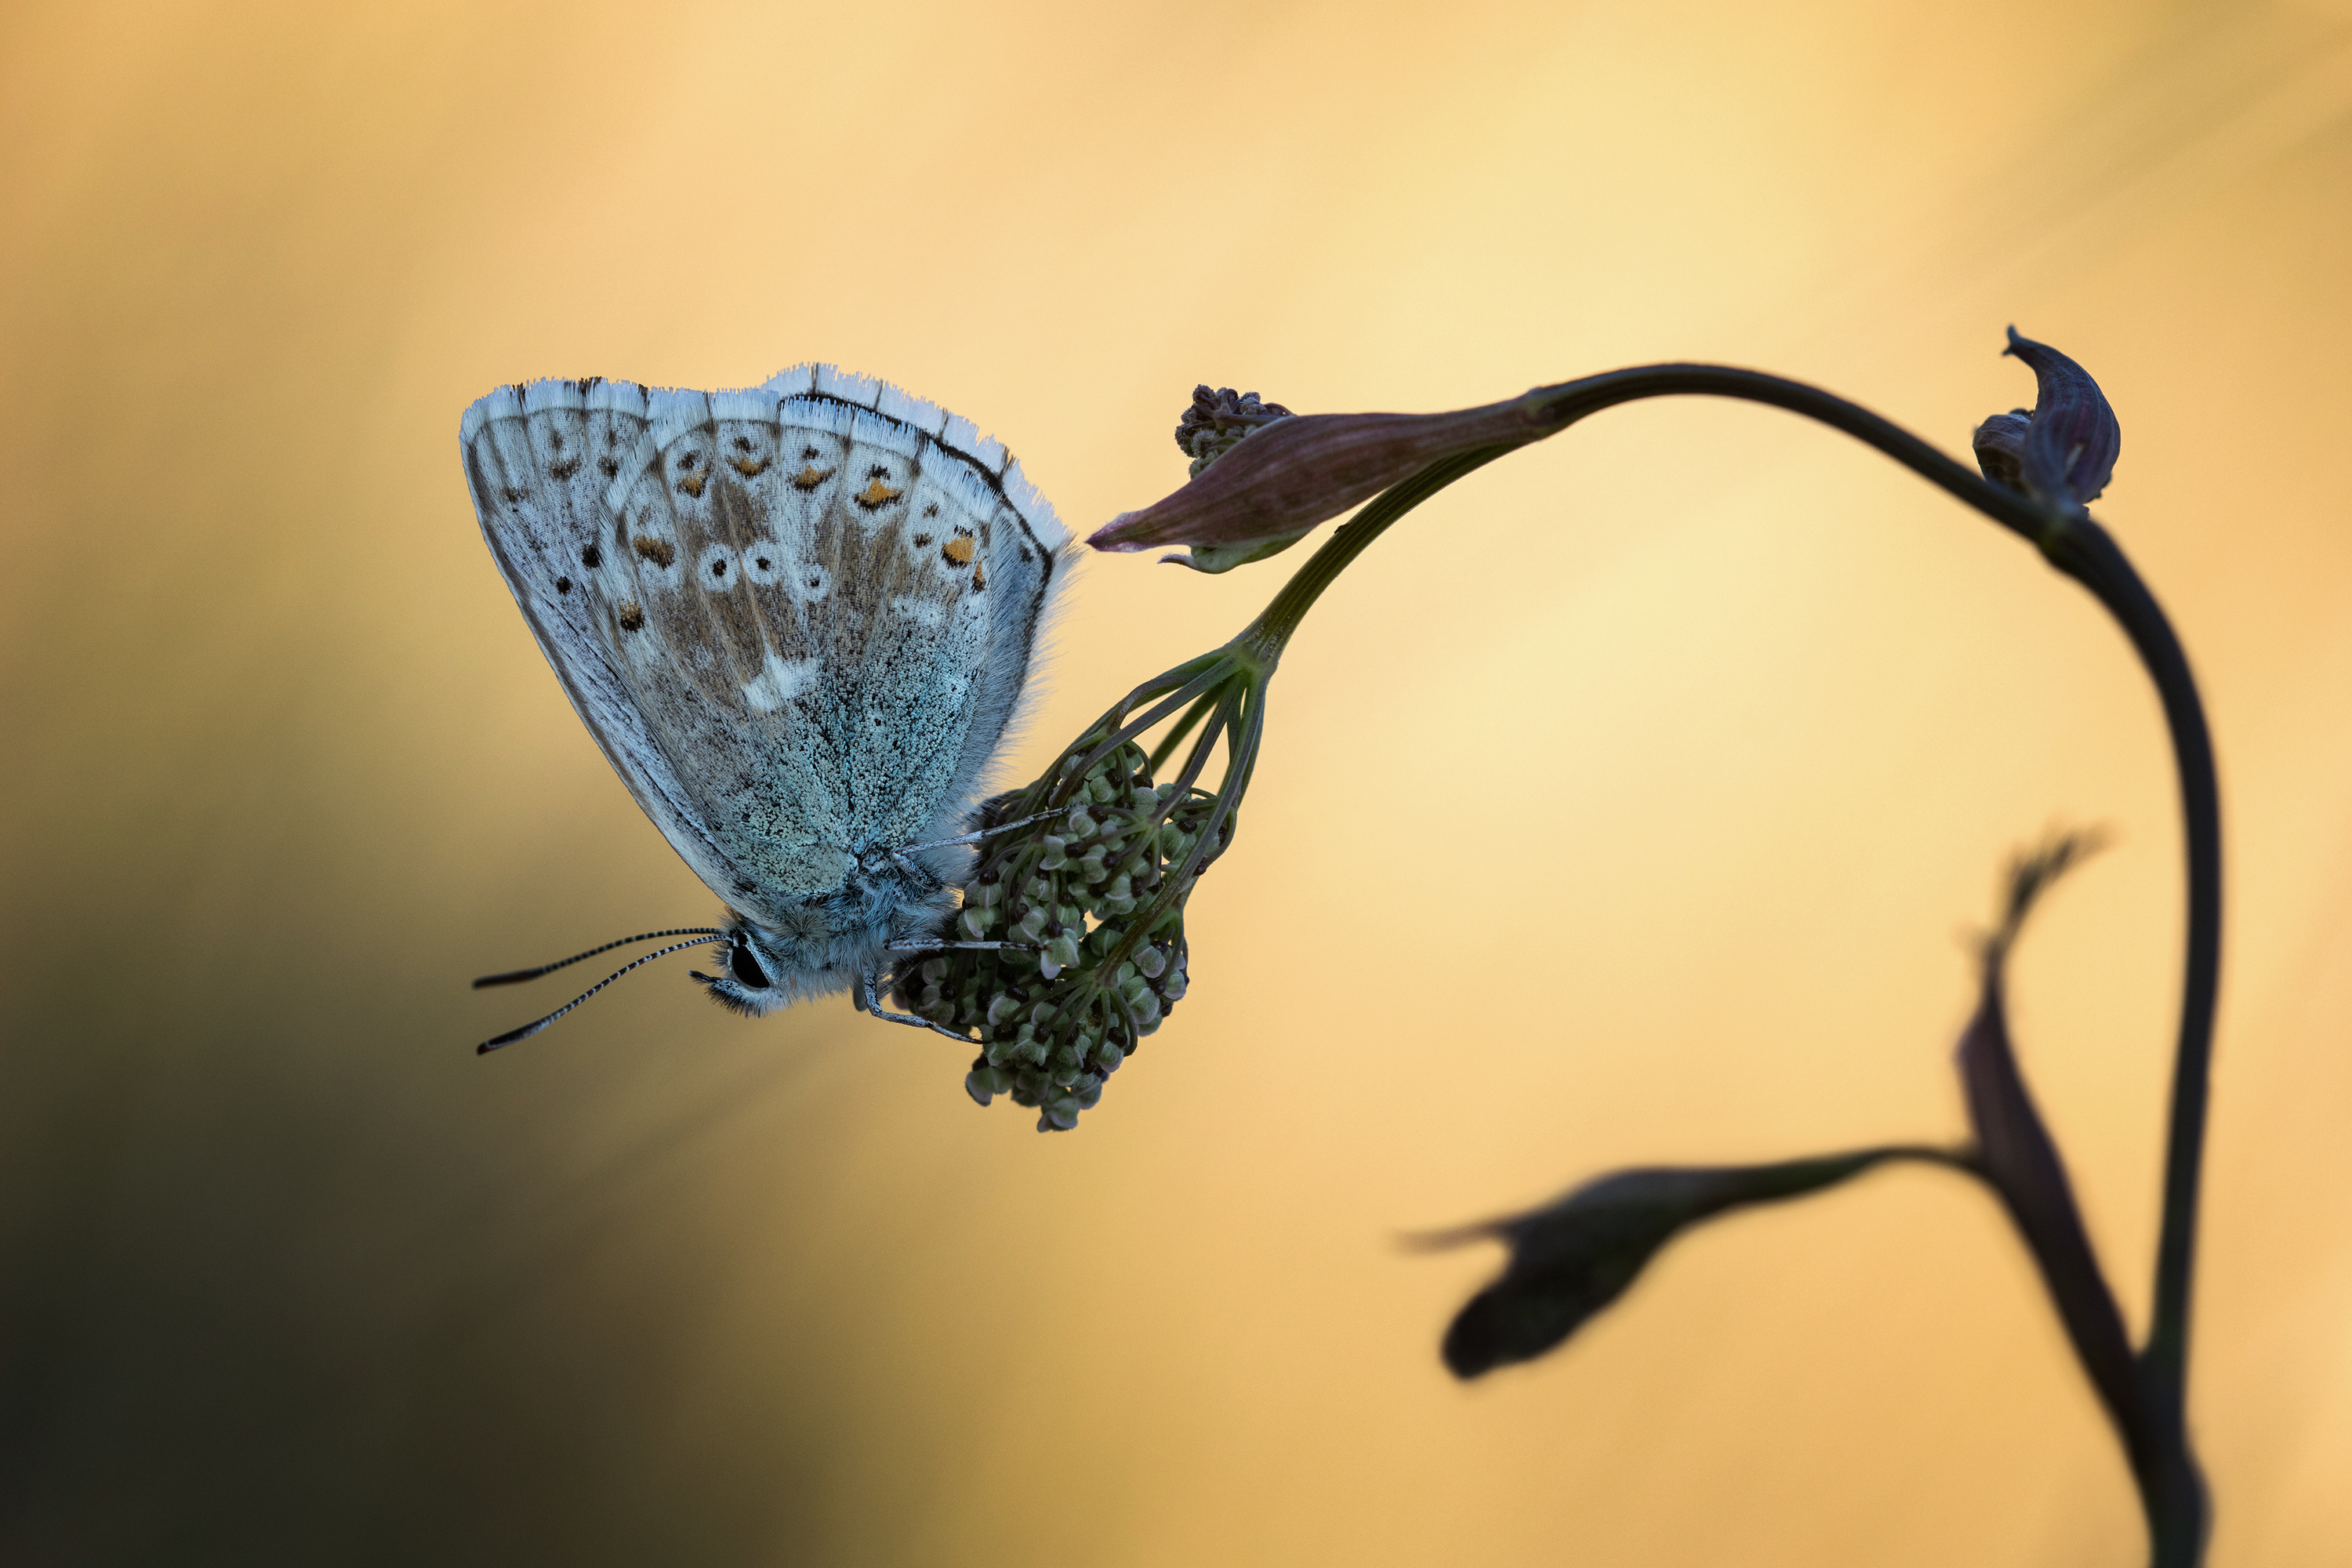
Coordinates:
2073 438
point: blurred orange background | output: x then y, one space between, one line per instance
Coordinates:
1624 805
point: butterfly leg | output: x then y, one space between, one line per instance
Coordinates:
873 1004
985 832
924 876
965 947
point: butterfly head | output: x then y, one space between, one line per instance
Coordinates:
762 969
751 970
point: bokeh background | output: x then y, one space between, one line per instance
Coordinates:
1627 805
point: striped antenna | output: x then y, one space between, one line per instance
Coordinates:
513 975
528 1030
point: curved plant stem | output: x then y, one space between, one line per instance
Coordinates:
2172 1490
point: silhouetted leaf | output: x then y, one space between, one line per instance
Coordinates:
1571 1260
2020 1162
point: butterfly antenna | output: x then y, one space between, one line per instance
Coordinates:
514 975
528 1030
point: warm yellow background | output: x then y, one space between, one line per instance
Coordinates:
1624 806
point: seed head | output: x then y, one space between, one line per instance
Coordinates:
1057 1016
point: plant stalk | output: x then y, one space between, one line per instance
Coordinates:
2172 1490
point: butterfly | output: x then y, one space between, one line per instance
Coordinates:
799 620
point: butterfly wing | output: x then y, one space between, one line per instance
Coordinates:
797 619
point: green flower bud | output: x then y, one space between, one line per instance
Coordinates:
1151 961
1054 858
1033 924
1080 822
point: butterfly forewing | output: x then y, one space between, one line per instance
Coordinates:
544 523
798 619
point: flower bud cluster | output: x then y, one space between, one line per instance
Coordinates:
1056 1013
1217 421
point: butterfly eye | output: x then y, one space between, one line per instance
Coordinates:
747 968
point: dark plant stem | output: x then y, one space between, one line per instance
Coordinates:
2156 1422
2173 1490
2178 1512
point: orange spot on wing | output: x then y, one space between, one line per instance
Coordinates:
750 467
958 550
877 493
656 551
692 484
809 478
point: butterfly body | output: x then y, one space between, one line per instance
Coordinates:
798 620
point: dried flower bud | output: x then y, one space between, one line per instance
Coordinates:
1571 1260
2063 452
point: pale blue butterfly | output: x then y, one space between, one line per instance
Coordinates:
799 620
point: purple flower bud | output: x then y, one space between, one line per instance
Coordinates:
2063 453
1292 474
